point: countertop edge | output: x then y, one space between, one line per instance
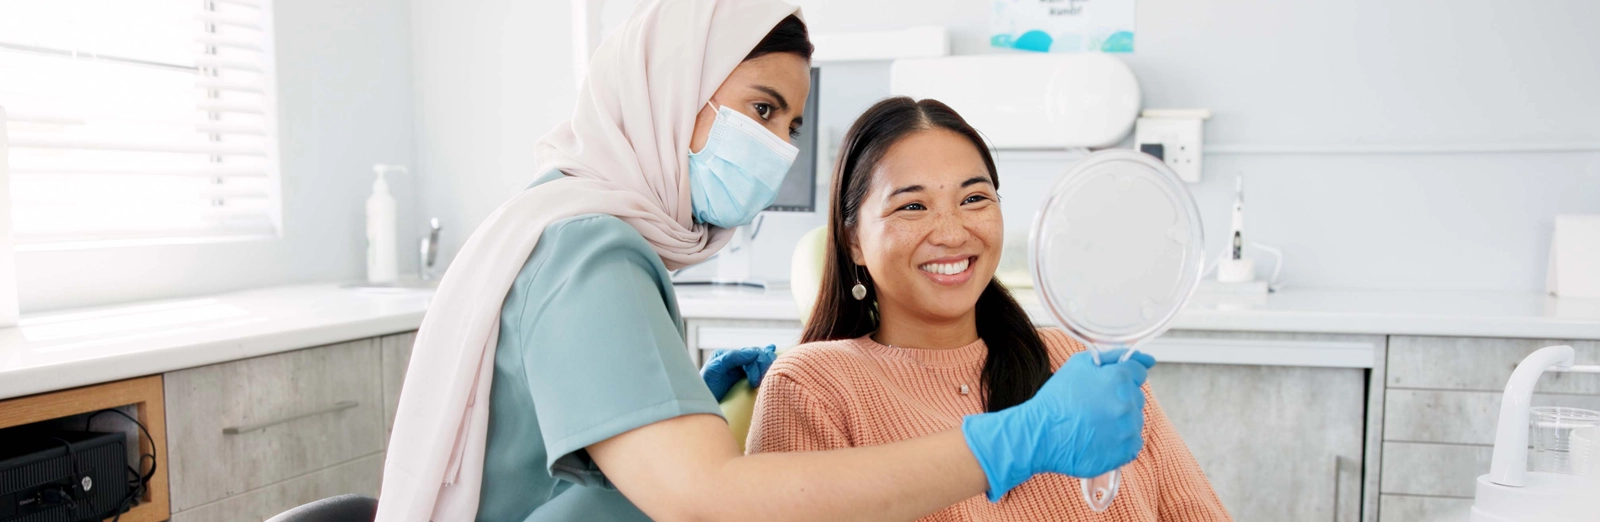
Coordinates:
67 375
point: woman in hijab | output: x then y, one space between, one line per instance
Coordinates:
550 381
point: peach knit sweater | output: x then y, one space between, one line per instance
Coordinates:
829 395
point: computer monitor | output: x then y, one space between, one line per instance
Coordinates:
798 192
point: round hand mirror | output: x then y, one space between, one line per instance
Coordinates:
1116 251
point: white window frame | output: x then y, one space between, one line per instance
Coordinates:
224 39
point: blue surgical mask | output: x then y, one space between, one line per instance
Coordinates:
738 172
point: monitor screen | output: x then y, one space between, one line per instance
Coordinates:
798 192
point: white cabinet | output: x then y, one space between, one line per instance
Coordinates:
706 336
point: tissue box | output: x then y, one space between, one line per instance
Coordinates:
1575 257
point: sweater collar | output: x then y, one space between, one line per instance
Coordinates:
965 355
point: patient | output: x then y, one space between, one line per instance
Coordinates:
911 331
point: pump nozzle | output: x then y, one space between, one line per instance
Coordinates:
380 184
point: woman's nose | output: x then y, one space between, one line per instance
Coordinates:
949 229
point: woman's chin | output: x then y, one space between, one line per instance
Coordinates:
949 305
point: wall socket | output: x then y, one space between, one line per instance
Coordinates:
1174 137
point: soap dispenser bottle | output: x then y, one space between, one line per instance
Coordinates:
382 262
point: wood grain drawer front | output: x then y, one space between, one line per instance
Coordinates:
1482 364
360 477
1456 417
396 355
1405 508
242 425
1437 470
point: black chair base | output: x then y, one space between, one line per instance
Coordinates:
343 508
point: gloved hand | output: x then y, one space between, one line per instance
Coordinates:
1085 421
728 366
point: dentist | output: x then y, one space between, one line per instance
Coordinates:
549 380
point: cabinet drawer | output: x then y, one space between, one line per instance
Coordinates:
707 335
360 477
1481 364
1435 470
1456 417
396 355
1276 442
725 337
241 425
1405 508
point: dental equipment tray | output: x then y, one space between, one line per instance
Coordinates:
62 476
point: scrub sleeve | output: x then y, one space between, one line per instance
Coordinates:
591 346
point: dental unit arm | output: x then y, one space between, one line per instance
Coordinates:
1509 492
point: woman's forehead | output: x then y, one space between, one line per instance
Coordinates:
934 158
789 74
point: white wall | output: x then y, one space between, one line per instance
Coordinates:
493 75
344 85
1339 73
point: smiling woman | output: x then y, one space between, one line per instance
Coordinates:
917 206
937 342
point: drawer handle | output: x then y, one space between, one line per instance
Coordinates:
338 406
1338 467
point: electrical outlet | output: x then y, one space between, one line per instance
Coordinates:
1174 137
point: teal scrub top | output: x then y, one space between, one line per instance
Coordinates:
591 346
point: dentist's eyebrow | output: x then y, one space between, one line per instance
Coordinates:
783 103
908 188
976 180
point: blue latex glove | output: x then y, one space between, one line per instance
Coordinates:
728 366
1085 421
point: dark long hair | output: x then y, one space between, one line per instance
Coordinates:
789 36
1017 363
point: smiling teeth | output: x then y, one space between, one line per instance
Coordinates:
946 268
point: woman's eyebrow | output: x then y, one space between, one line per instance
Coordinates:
783 103
907 188
976 180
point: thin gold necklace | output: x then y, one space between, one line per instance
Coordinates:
962 388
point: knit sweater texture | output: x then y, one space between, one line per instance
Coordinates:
858 392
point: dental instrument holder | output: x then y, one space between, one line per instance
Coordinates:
1116 250
1509 492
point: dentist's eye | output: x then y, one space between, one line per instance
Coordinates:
794 132
764 110
975 198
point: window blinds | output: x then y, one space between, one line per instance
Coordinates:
139 119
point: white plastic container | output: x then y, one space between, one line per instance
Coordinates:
382 253
1029 100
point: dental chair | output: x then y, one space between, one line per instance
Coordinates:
343 508
805 281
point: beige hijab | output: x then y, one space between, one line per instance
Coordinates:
625 153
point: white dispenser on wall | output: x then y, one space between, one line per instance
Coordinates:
382 256
1029 101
